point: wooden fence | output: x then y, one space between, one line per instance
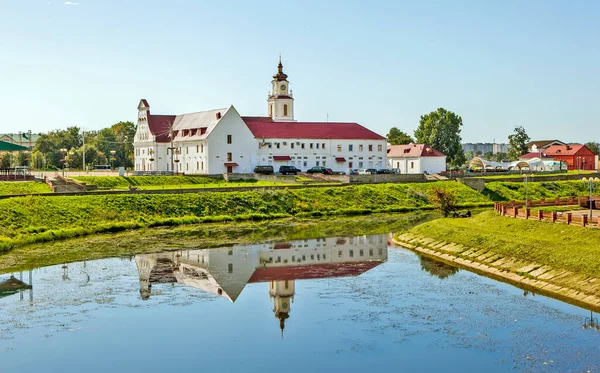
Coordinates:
517 209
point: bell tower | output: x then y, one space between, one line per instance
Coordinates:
281 100
282 293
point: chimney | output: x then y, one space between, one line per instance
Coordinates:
219 115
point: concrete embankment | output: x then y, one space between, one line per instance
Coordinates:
567 286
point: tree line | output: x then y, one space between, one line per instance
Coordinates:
65 148
441 129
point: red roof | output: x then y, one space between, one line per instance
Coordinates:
282 158
265 127
145 103
303 272
533 155
159 126
572 149
412 151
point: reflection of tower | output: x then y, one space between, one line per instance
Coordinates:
282 293
145 263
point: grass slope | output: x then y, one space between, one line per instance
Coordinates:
560 246
23 187
34 219
506 191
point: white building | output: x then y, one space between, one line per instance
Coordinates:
221 141
226 271
416 159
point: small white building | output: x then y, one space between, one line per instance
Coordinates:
221 141
416 159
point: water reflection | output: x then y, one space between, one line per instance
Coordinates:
225 271
437 268
13 285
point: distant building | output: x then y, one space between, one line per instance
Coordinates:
482 148
541 145
416 159
576 156
26 139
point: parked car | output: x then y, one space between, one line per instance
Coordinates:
362 171
383 171
320 170
288 170
267 170
353 171
371 171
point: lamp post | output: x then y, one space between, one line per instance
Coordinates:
526 190
63 153
112 159
591 186
591 322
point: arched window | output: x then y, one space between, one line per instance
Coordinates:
271 110
285 113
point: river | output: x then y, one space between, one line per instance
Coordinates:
347 304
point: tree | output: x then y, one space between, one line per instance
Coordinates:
444 200
397 137
435 268
441 130
518 143
488 156
499 157
469 155
593 146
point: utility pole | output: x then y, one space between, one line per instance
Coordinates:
83 136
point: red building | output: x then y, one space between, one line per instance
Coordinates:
576 156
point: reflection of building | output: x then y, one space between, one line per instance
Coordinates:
226 271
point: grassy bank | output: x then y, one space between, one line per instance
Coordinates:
506 191
569 248
32 219
205 236
23 187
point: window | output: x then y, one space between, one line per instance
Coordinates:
323 146
187 166
312 257
292 145
317 163
229 157
360 164
202 164
229 139
370 252
287 284
370 148
317 145
285 111
351 253
293 258
323 163
302 146
197 165
412 165
197 148
360 148
339 148
379 147
305 163
350 148
311 145
271 110
201 148
277 145
349 164
361 252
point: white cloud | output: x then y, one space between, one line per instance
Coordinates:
70 3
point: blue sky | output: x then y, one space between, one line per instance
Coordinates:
498 64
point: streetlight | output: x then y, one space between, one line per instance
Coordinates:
592 186
526 190
591 322
63 152
112 159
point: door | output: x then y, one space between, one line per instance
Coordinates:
229 169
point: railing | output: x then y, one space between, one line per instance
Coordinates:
518 209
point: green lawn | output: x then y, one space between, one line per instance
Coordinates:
23 187
572 248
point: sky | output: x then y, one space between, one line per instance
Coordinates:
496 63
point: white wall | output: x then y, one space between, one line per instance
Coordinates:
307 157
431 165
242 146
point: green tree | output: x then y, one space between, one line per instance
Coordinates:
518 143
441 130
488 156
6 160
469 154
445 201
397 137
499 157
593 146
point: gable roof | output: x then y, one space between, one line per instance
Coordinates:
200 124
265 127
571 149
534 155
7 146
412 151
542 143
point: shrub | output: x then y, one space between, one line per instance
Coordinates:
444 200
